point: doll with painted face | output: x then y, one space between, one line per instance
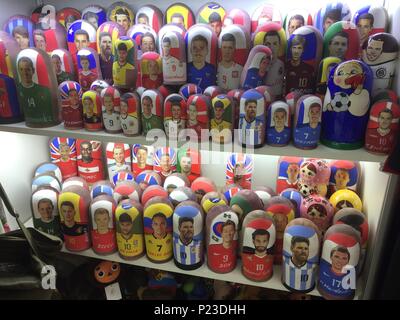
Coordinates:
278 124
239 170
221 119
92 112
296 19
345 174
288 173
148 178
63 153
331 13
150 15
318 210
174 115
130 114
201 186
213 14
164 161
67 16
256 67
49 38
95 15
63 65
345 199
21 29
325 67
90 166
111 101
314 177
145 39
121 13
102 187
198 106
88 68
151 70
189 163
152 110
142 158
118 158
124 68
264 14
173 53
180 14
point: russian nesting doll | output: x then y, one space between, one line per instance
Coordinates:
197 107
21 29
142 158
44 207
345 174
153 191
45 179
121 13
331 13
63 65
75 181
213 199
296 19
342 41
127 189
148 178
124 69
201 186
221 123
102 224
49 38
102 187
325 67
49 168
73 206
175 180
244 202
111 109
118 158
122 176
145 39
300 255
182 194
88 67
67 16
295 197
340 257
221 239
180 14
95 15
264 193
345 199
80 35
150 15
151 70
129 229
229 191
92 111
189 89
278 129
213 91
318 210
346 104
212 14
314 177
237 17
158 229
130 114
288 173
188 239
257 65
152 103
99 85
71 104
63 153
189 163
164 161
239 170
264 14
174 115
90 165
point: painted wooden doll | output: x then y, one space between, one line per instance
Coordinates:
145 39
295 197
150 15
130 114
164 161
325 67
211 200
189 89
318 210
71 104
288 173
152 110
142 158
244 202
221 123
188 238
63 153
92 113
80 35
264 193
151 70
175 180
153 191
201 186
296 19
180 14
264 14
148 178
118 158
99 85
237 17
21 29
345 174
342 41
189 163
182 194
239 170
212 14
45 179
49 38
63 65
174 115
121 176
88 67
278 129
197 108
121 13
102 187
345 199
111 109
95 15
90 166
124 69
331 13
75 181
256 68
67 16
127 189
314 177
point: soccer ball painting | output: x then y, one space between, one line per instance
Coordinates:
340 102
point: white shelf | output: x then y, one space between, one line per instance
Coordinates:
320 152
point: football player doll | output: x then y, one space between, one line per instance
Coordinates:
278 124
164 161
153 191
173 54
295 19
175 180
345 174
92 111
211 200
213 14
75 181
90 166
324 70
130 114
239 170
99 85
288 173
189 89
49 38
127 189
244 202
182 194
148 178
71 104
318 210
67 16
121 13
222 119
189 163
118 158
331 13
201 186
264 193
88 67
238 17
63 65
180 14
264 14
174 115
151 70
150 15
152 103
102 187
198 106
124 68
95 15
63 153
256 67
21 29
142 158
111 102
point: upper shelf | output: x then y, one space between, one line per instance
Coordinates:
320 152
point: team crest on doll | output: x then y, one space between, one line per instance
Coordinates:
296 19
180 14
121 13
118 158
95 15
370 20
238 17
67 16
264 14
150 15
174 115
111 102
88 67
81 34
239 170
21 29
331 13
92 113
63 153
164 161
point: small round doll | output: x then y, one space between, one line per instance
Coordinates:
73 206
346 104
150 15
381 53
76 181
264 14
213 91
181 194
95 15
213 199
148 178
189 163
130 114
153 191
202 46
345 199
229 191
124 68
63 65
189 89
46 179
302 60
340 257
122 176
256 67
111 104
173 53
88 67
67 16
80 35
174 181
49 38
45 211
296 19
180 14
264 193
37 89
300 255
342 41
188 238
239 170
129 229
21 29
345 174
174 115
382 127
288 173
164 161
92 113
102 187
213 14
221 122
63 154
295 197
151 70
102 228
318 210
221 239
90 165
118 158
258 239
121 13
157 217
127 189
252 119
152 103
201 186
325 67
233 44
142 158
98 86
197 108
278 129
331 13
245 201
315 173
10 109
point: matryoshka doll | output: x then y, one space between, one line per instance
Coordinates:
382 127
258 239
151 70
63 65
153 191
76 181
213 91
221 123
49 37
331 13
346 104
345 174
130 114
71 104
148 178
37 89
237 17
189 163
102 187
318 210
229 191
296 19
244 202
325 67
45 210
127 189
150 15
198 106
99 85
129 229
295 197
300 255
142 158
188 238
202 46
180 14
182 194
239 170
174 181
67 16
45 179
102 230
111 109
345 199
264 14
164 161
88 67
212 14
189 89
73 206
21 29
95 15
121 176
221 239
124 69
10 109
264 193
201 186
307 122
90 166
213 199
236 95
340 257
314 177
145 39
288 173
92 111
49 168
158 229
256 68
174 115
63 153
278 129
118 158
121 13
152 103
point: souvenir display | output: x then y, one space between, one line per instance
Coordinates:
278 132
122 176
81 35
370 20
92 111
98 86
111 105
129 229
175 180
243 202
345 174
152 110
45 179
238 17
211 200
382 127
201 186
158 231
179 14
95 15
302 60
239 170
90 166
118 158
300 255
189 163
10 109
264 14
174 115
189 89
142 158
164 161
288 173
45 211
148 178
21 28
314 177
50 169
213 14
37 89
318 210
144 37
256 68
346 103
88 67
325 67
188 240
153 191
258 239
76 181
102 187
63 65
340 256
130 114
67 16
345 199
181 194
331 13
307 122
102 228
73 206
295 197
49 38
121 13
295 19
150 15
342 41
221 123
221 239
124 69
198 106
63 154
